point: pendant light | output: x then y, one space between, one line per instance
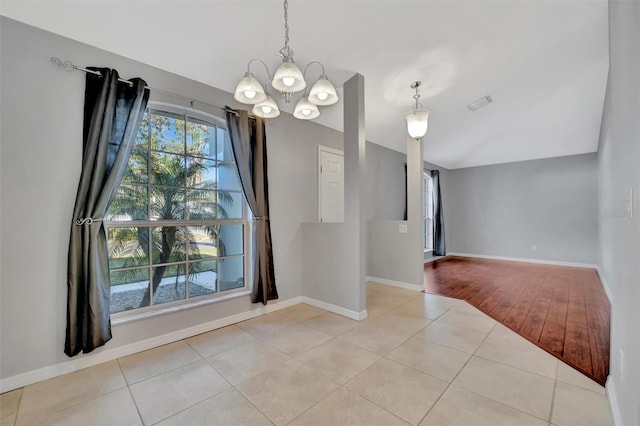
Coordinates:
288 80
418 117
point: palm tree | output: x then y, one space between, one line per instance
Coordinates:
168 200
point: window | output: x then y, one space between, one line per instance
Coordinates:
176 227
427 211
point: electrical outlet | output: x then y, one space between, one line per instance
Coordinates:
402 229
534 247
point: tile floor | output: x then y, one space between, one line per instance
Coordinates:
418 359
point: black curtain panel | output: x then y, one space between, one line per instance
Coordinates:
439 248
249 144
112 113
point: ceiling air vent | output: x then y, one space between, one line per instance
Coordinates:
482 102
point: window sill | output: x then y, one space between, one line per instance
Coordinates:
176 308
428 251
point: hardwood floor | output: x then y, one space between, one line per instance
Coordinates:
563 310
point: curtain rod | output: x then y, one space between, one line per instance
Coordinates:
70 66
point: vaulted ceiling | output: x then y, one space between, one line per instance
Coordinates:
544 62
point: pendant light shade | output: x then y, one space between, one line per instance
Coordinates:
288 78
267 108
323 92
305 110
249 90
417 122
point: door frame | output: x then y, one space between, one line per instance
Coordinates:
321 149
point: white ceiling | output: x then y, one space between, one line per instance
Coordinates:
544 63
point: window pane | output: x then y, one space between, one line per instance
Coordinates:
201 173
231 273
167 203
228 177
128 247
201 138
202 278
167 169
142 138
224 146
230 205
167 132
202 241
137 171
171 281
128 289
231 240
202 205
129 203
168 244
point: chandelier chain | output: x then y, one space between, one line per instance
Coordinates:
286 51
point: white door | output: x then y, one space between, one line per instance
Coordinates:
331 184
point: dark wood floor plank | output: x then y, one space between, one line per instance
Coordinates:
563 310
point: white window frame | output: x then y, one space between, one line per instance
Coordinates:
427 212
190 302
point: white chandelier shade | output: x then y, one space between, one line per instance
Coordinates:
288 79
418 117
305 110
267 108
417 122
323 93
249 90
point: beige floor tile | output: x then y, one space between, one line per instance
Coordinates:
9 402
344 407
400 322
429 305
246 361
403 391
301 312
507 347
162 396
517 388
452 336
573 405
114 408
225 409
468 317
375 339
220 340
338 360
296 339
462 407
266 324
391 298
64 391
331 323
375 310
571 376
156 361
434 359
284 392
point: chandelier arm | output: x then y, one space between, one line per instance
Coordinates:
304 73
263 63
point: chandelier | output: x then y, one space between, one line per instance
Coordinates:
418 117
288 80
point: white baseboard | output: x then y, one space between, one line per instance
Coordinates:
613 402
399 284
84 361
605 285
358 316
520 259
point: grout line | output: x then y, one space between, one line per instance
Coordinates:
135 404
15 419
553 400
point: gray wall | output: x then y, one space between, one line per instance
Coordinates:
619 171
505 209
41 147
334 254
385 183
